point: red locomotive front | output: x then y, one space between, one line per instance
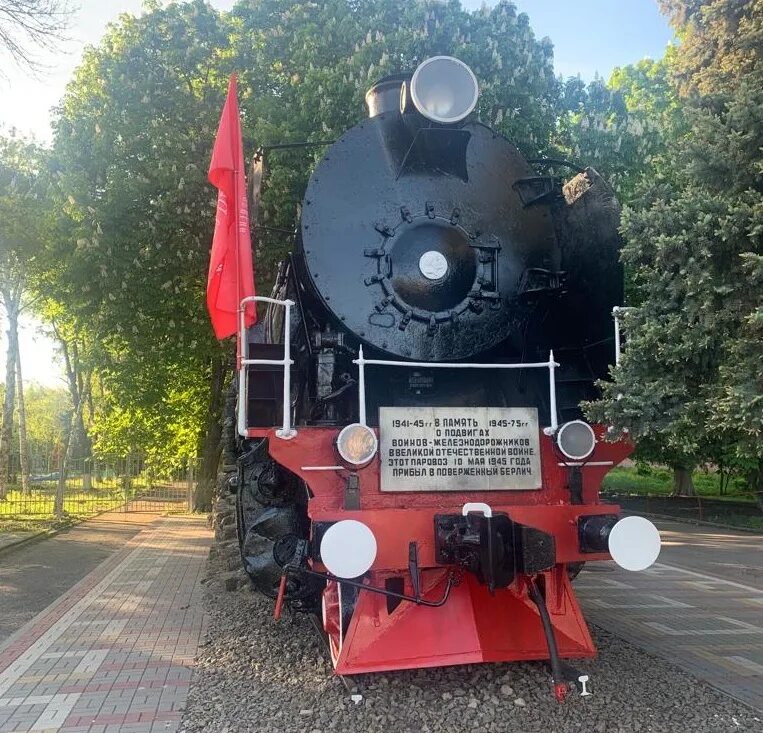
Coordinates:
412 459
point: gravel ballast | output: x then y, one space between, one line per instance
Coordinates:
253 674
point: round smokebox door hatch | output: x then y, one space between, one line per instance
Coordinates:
433 265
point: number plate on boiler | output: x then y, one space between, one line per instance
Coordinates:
459 448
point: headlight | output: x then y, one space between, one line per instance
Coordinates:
576 440
357 444
348 549
444 89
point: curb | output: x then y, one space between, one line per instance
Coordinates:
36 537
701 522
46 533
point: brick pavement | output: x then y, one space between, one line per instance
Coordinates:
686 609
114 654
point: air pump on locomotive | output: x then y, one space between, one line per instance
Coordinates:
412 460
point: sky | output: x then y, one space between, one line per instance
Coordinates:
590 37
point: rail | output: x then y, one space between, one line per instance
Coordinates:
286 432
551 365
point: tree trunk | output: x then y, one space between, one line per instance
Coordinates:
683 485
79 382
23 444
66 458
6 430
756 483
83 444
211 443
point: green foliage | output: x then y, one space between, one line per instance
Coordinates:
47 412
622 127
691 378
23 200
166 434
126 253
656 481
126 263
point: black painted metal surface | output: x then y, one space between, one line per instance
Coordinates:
390 191
435 243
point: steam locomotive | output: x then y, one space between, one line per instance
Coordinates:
411 459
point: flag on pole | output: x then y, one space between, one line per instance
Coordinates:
231 274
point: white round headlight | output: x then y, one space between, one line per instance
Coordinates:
634 543
576 440
357 444
348 549
444 89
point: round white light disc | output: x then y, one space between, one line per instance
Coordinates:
634 543
348 549
433 265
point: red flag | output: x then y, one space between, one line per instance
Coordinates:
231 275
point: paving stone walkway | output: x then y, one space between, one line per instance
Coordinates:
690 607
114 654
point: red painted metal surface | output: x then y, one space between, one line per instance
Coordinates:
472 626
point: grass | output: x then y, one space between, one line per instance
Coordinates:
36 524
655 481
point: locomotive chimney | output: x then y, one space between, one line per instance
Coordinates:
384 96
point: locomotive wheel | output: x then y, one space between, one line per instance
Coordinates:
269 522
337 606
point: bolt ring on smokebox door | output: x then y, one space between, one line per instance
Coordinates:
432 270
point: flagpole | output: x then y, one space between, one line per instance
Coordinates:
238 157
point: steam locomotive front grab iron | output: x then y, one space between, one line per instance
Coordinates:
412 461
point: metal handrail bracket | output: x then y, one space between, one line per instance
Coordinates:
287 431
551 365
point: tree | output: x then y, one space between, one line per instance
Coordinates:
22 213
127 259
691 378
23 440
39 23
622 127
47 408
80 355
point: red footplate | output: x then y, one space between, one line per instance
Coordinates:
471 627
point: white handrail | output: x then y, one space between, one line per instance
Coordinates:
617 312
551 365
286 432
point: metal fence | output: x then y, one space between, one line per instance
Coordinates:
93 486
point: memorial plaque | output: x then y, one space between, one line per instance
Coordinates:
459 448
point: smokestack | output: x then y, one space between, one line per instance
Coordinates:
384 96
